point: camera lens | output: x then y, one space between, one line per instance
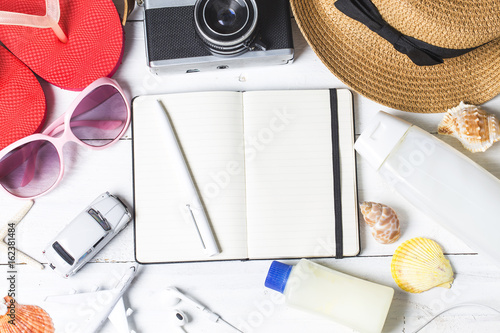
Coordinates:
226 16
226 26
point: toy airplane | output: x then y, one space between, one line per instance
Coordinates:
107 304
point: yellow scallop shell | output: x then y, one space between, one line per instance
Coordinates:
419 265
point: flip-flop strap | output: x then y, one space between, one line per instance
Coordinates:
124 8
49 20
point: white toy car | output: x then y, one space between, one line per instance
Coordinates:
87 234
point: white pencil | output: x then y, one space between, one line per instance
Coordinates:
194 208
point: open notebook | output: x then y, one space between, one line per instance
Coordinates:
275 170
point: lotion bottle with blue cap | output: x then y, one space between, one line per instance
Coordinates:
353 302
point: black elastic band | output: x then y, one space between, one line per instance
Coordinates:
337 194
421 53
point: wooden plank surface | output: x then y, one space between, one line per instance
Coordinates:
235 289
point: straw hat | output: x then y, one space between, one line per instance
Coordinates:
372 66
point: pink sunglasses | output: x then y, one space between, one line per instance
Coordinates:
97 118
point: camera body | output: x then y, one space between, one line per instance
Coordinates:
174 46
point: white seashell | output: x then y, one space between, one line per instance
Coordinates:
382 220
472 126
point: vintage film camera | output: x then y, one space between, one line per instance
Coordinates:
199 35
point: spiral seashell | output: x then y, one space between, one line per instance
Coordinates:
382 220
24 318
419 265
472 126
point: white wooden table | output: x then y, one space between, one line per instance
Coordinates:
236 289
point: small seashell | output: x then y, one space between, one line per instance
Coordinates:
382 220
27 318
472 126
419 265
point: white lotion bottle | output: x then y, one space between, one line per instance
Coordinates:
437 179
350 301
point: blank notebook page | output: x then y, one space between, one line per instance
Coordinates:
211 136
350 225
290 205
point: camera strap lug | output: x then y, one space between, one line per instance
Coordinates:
256 44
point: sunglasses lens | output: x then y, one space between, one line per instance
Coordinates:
30 169
100 117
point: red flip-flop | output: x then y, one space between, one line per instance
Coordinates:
69 43
22 102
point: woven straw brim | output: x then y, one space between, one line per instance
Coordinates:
372 67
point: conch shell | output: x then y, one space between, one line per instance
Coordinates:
382 220
472 126
419 265
21 318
